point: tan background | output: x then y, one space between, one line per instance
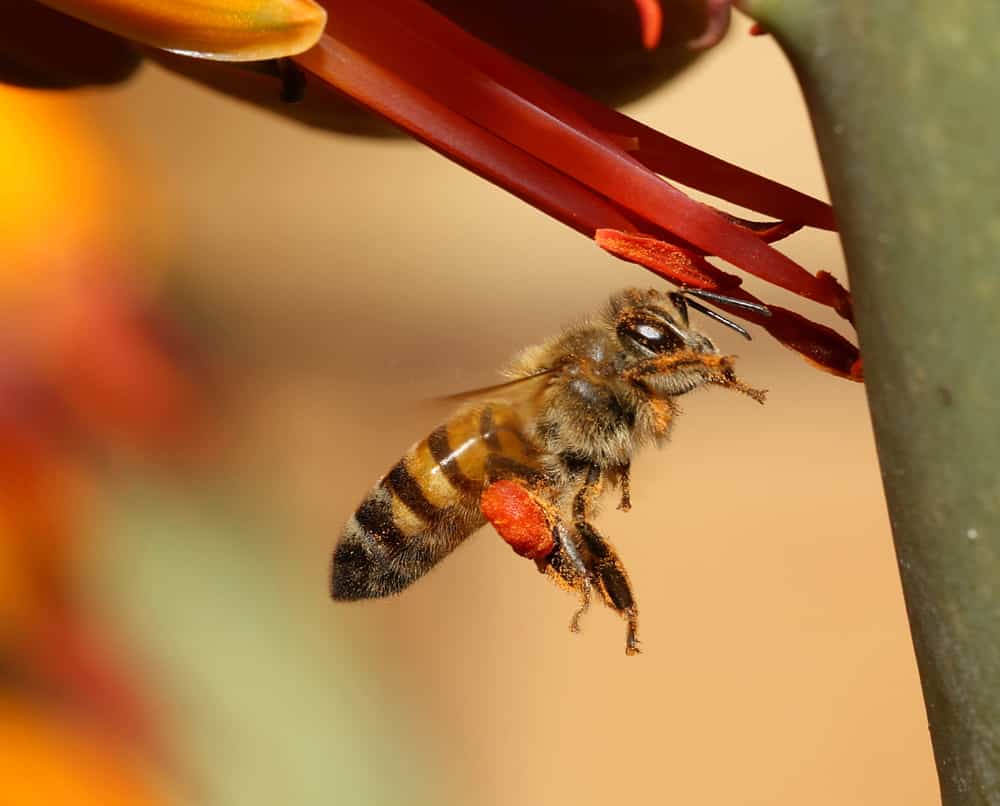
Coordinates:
346 282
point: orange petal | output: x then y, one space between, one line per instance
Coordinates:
228 30
46 762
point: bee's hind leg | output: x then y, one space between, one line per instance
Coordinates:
568 569
604 564
516 503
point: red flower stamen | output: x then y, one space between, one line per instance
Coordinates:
586 165
677 265
650 21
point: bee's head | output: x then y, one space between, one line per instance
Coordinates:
662 354
650 323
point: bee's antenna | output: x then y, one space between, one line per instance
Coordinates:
722 299
711 296
718 317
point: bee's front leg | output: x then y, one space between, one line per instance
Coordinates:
712 368
604 563
624 484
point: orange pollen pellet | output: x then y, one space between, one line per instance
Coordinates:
519 518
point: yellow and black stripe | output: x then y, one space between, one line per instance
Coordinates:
428 502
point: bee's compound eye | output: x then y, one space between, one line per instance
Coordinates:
655 336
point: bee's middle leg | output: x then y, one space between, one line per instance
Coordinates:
604 563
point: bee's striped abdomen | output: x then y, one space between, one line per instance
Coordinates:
426 504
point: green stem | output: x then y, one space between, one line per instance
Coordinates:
904 99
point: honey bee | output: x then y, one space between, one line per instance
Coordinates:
533 455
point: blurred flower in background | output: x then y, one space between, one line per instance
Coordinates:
108 459
85 369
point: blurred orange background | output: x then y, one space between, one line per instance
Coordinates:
335 285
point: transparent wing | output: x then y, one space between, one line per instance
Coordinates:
516 391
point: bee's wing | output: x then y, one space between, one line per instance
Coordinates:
517 391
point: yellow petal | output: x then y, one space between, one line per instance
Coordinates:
228 30
55 187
